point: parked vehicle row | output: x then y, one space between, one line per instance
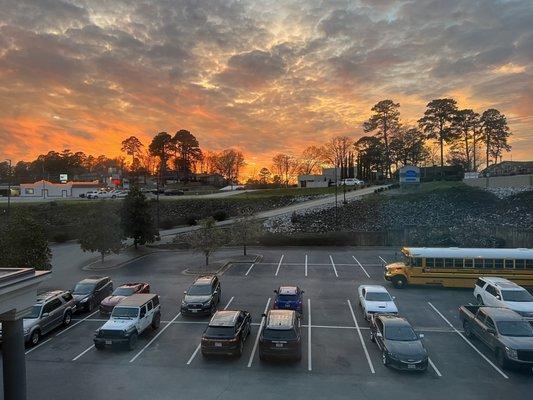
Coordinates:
105 194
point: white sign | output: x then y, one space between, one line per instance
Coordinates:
63 178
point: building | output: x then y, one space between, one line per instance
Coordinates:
46 189
312 181
328 177
507 168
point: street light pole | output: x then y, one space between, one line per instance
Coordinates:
8 189
336 187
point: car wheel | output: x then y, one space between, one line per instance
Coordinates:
502 360
35 337
468 330
99 346
399 281
156 321
113 197
384 359
133 341
67 319
479 300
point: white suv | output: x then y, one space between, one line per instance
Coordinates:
500 292
128 320
375 299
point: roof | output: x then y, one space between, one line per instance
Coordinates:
224 318
204 280
93 279
501 314
137 300
280 319
42 297
501 282
456 252
393 320
374 288
288 290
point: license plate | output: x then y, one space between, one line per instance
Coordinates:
279 344
218 344
411 366
194 310
108 342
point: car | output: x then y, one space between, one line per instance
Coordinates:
120 293
90 292
288 298
202 297
174 192
95 194
401 347
52 309
500 292
506 333
231 188
351 182
128 320
375 299
226 333
281 335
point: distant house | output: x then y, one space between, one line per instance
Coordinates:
507 168
46 189
311 181
328 177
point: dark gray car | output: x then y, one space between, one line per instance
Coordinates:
91 291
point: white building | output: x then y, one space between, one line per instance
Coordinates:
45 189
327 178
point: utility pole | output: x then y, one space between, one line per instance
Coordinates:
8 189
157 197
336 191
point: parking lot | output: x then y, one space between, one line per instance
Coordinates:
339 361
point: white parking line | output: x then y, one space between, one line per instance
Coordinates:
364 270
383 260
39 345
469 342
279 264
249 269
200 344
309 336
333 264
434 367
154 338
361 339
73 325
83 352
306 265
258 334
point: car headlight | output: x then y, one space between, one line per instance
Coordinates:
511 353
84 300
183 304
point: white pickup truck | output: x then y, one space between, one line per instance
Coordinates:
128 320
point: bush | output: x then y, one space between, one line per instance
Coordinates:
220 215
61 237
192 220
166 224
294 217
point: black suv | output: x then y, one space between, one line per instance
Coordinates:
90 292
202 297
226 333
281 335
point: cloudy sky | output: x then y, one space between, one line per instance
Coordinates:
263 76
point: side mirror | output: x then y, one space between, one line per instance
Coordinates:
379 335
393 297
185 292
263 315
45 315
215 292
276 291
492 331
303 291
421 335
498 297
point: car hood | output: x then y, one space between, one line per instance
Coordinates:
112 300
412 350
196 299
119 324
28 322
518 343
79 297
381 306
523 306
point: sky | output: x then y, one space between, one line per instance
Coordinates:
261 76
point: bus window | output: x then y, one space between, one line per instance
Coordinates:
508 264
478 263
439 262
469 263
519 264
498 264
430 262
448 263
417 262
489 263
529 264
458 263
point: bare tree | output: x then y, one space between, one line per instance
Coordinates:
207 239
285 166
229 163
246 229
337 152
310 160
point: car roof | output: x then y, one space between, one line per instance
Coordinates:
93 279
224 318
374 288
204 279
288 290
501 282
280 319
501 313
137 300
393 320
130 284
44 296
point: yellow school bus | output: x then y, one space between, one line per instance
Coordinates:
459 267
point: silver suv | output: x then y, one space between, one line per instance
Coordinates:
52 309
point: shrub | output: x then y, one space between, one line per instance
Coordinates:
192 220
220 215
61 237
166 224
294 217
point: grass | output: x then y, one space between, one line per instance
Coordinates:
288 192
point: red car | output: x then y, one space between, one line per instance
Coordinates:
120 293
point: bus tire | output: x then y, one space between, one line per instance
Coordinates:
399 281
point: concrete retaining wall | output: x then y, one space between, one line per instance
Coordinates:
514 181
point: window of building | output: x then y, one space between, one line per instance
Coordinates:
29 191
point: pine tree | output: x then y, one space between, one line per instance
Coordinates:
136 220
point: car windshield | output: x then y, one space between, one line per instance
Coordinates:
517 295
34 313
377 296
279 334
287 297
199 290
83 288
220 331
125 312
401 333
515 328
123 291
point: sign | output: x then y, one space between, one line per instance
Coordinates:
63 178
409 174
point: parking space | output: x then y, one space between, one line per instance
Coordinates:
335 336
